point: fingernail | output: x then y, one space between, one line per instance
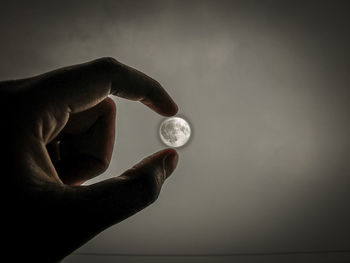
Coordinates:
170 162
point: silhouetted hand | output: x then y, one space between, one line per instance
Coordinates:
57 132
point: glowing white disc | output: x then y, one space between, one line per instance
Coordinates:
175 132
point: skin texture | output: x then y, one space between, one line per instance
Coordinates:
58 131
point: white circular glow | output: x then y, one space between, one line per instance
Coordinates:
175 132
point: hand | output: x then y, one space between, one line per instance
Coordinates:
57 132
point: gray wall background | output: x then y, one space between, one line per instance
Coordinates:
265 85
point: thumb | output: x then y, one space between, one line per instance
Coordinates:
94 208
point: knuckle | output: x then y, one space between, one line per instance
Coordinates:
109 105
105 62
103 165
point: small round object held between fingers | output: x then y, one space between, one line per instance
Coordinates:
175 132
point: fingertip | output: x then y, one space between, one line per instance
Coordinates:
162 104
173 109
170 151
168 107
160 155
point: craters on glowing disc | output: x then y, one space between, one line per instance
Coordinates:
175 132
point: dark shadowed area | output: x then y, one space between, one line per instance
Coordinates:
265 85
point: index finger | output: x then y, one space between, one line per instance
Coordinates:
79 87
